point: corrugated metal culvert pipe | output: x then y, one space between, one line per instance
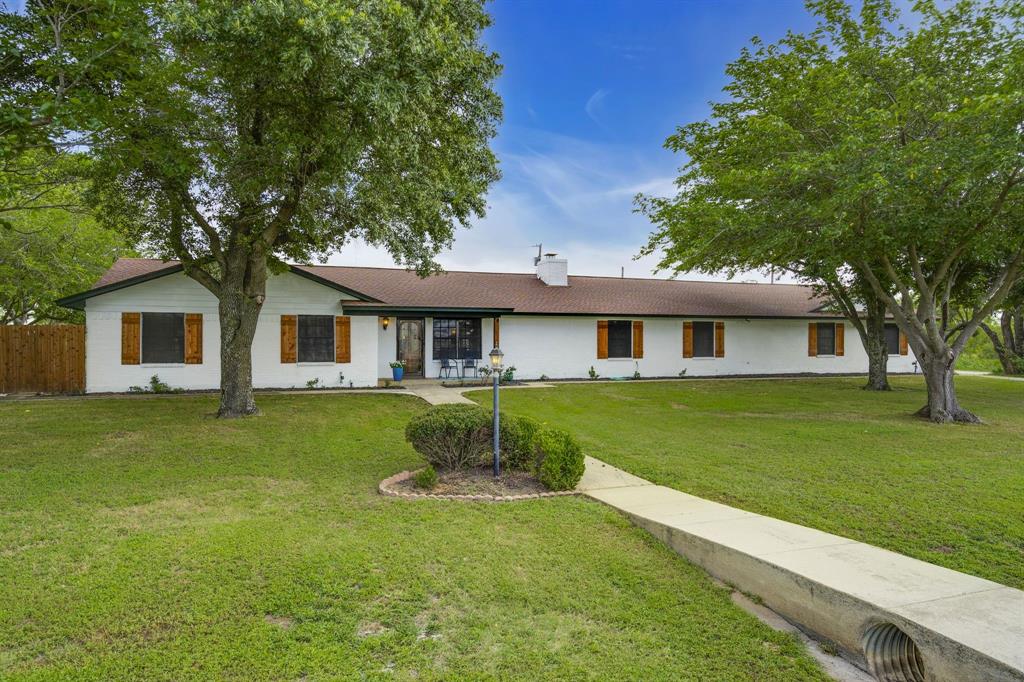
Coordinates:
892 655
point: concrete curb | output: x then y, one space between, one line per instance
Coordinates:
901 618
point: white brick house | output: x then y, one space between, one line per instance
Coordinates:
343 325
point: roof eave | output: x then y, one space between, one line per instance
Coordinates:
77 301
394 309
297 269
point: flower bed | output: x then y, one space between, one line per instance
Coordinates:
475 485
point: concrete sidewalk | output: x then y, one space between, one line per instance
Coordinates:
957 626
436 394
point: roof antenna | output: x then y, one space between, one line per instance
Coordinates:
536 260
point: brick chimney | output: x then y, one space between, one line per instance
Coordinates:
553 271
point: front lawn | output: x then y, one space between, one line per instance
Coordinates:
143 539
823 453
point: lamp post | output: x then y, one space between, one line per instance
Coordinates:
496 356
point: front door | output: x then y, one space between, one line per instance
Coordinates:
410 345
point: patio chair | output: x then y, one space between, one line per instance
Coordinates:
446 369
470 364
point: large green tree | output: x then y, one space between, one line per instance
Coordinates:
262 131
49 253
891 156
58 60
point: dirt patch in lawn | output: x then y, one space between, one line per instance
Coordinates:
478 481
471 484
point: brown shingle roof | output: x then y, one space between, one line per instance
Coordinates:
524 293
127 268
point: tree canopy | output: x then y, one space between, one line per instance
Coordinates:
50 253
871 150
253 133
59 59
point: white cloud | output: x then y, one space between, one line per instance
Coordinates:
574 196
593 105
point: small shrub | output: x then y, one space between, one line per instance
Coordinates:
593 373
313 383
518 441
509 375
682 373
451 436
155 386
544 377
425 478
560 460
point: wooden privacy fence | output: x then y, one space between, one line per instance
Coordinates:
42 358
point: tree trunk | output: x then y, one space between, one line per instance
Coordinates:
874 345
241 299
943 406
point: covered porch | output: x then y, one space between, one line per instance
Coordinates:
434 344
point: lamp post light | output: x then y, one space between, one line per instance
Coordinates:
496 356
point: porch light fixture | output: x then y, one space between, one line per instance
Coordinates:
384 322
496 356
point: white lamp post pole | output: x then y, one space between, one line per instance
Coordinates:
496 356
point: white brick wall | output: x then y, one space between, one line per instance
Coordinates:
287 294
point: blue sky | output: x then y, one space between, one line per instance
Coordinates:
592 88
591 91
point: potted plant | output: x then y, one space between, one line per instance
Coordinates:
397 369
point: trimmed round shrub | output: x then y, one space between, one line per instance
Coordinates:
560 460
518 441
451 436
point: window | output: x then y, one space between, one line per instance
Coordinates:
457 339
703 339
892 339
826 338
620 338
316 338
163 338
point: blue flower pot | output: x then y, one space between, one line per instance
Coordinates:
397 373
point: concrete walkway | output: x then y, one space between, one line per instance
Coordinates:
990 375
964 627
436 394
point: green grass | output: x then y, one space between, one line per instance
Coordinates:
823 453
143 539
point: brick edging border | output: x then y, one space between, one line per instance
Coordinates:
384 488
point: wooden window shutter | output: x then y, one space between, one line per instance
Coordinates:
289 339
687 339
131 338
812 339
840 342
343 338
497 333
193 338
719 339
903 343
638 339
602 339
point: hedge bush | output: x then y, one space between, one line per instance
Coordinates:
460 437
518 441
451 436
560 460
